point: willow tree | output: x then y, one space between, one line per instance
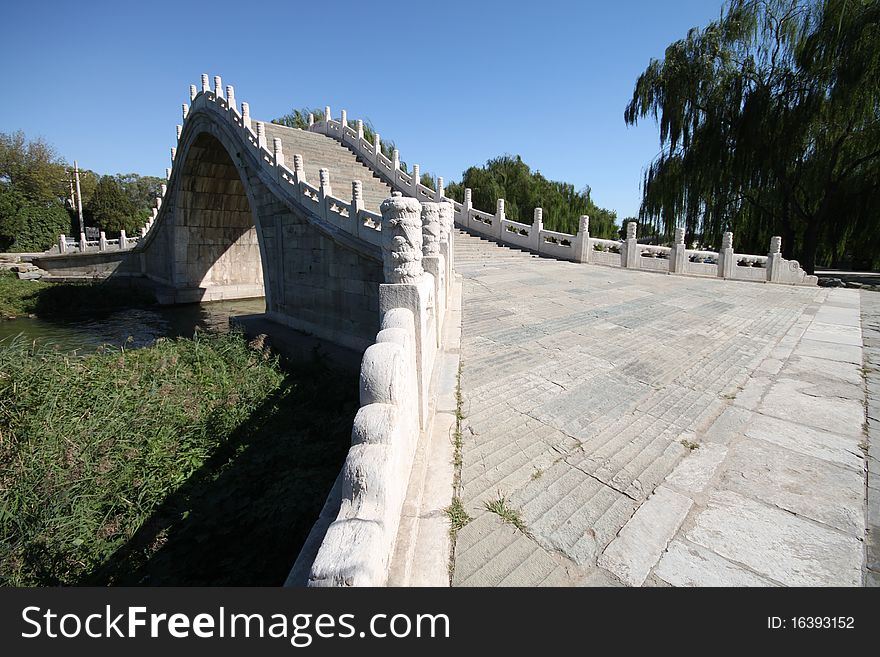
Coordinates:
769 124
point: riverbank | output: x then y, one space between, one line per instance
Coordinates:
197 461
26 298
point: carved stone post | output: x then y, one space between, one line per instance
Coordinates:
360 130
774 260
726 263
432 259
582 242
261 134
537 227
102 241
123 240
440 192
185 111
62 243
246 115
466 207
395 159
343 120
192 92
278 152
179 131
327 116
416 173
299 169
447 241
311 119
167 173
324 182
406 284
206 86
498 221
357 204
173 155
230 97
163 189
678 256
218 87
377 145
629 252
82 242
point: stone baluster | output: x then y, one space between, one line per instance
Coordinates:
325 190
62 243
82 243
582 241
278 152
327 116
163 188
678 256
192 92
343 121
431 229
179 131
102 241
406 286
299 169
447 239
500 216
360 130
402 239
167 173
230 97
311 119
357 205
246 115
629 251
537 227
432 259
377 145
261 134
726 262
395 159
206 86
440 192
154 212
774 260
466 207
185 111
416 174
158 203
143 231
218 87
123 240
173 155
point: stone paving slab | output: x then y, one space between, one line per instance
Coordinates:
593 396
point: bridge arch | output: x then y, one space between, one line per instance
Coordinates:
227 231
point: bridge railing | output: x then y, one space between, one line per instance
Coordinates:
580 247
395 381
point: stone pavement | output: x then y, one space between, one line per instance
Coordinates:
646 429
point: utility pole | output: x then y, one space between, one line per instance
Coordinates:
79 205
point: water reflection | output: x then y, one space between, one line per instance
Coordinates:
132 327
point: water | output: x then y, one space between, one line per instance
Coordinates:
130 327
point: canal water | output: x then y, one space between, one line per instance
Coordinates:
130 327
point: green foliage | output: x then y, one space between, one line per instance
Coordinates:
770 125
141 192
110 208
523 190
33 168
29 225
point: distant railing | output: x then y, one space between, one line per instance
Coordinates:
581 247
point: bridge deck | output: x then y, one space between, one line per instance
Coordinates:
648 429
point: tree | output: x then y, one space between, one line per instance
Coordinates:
110 208
33 168
770 124
510 178
27 225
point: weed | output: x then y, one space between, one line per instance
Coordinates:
503 510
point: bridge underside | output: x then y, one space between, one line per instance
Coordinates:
227 235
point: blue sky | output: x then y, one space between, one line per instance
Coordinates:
453 83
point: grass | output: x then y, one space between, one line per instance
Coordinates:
192 462
458 516
501 507
689 444
20 298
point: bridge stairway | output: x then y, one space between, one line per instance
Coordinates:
472 249
322 152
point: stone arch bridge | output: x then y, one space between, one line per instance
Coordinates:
612 426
